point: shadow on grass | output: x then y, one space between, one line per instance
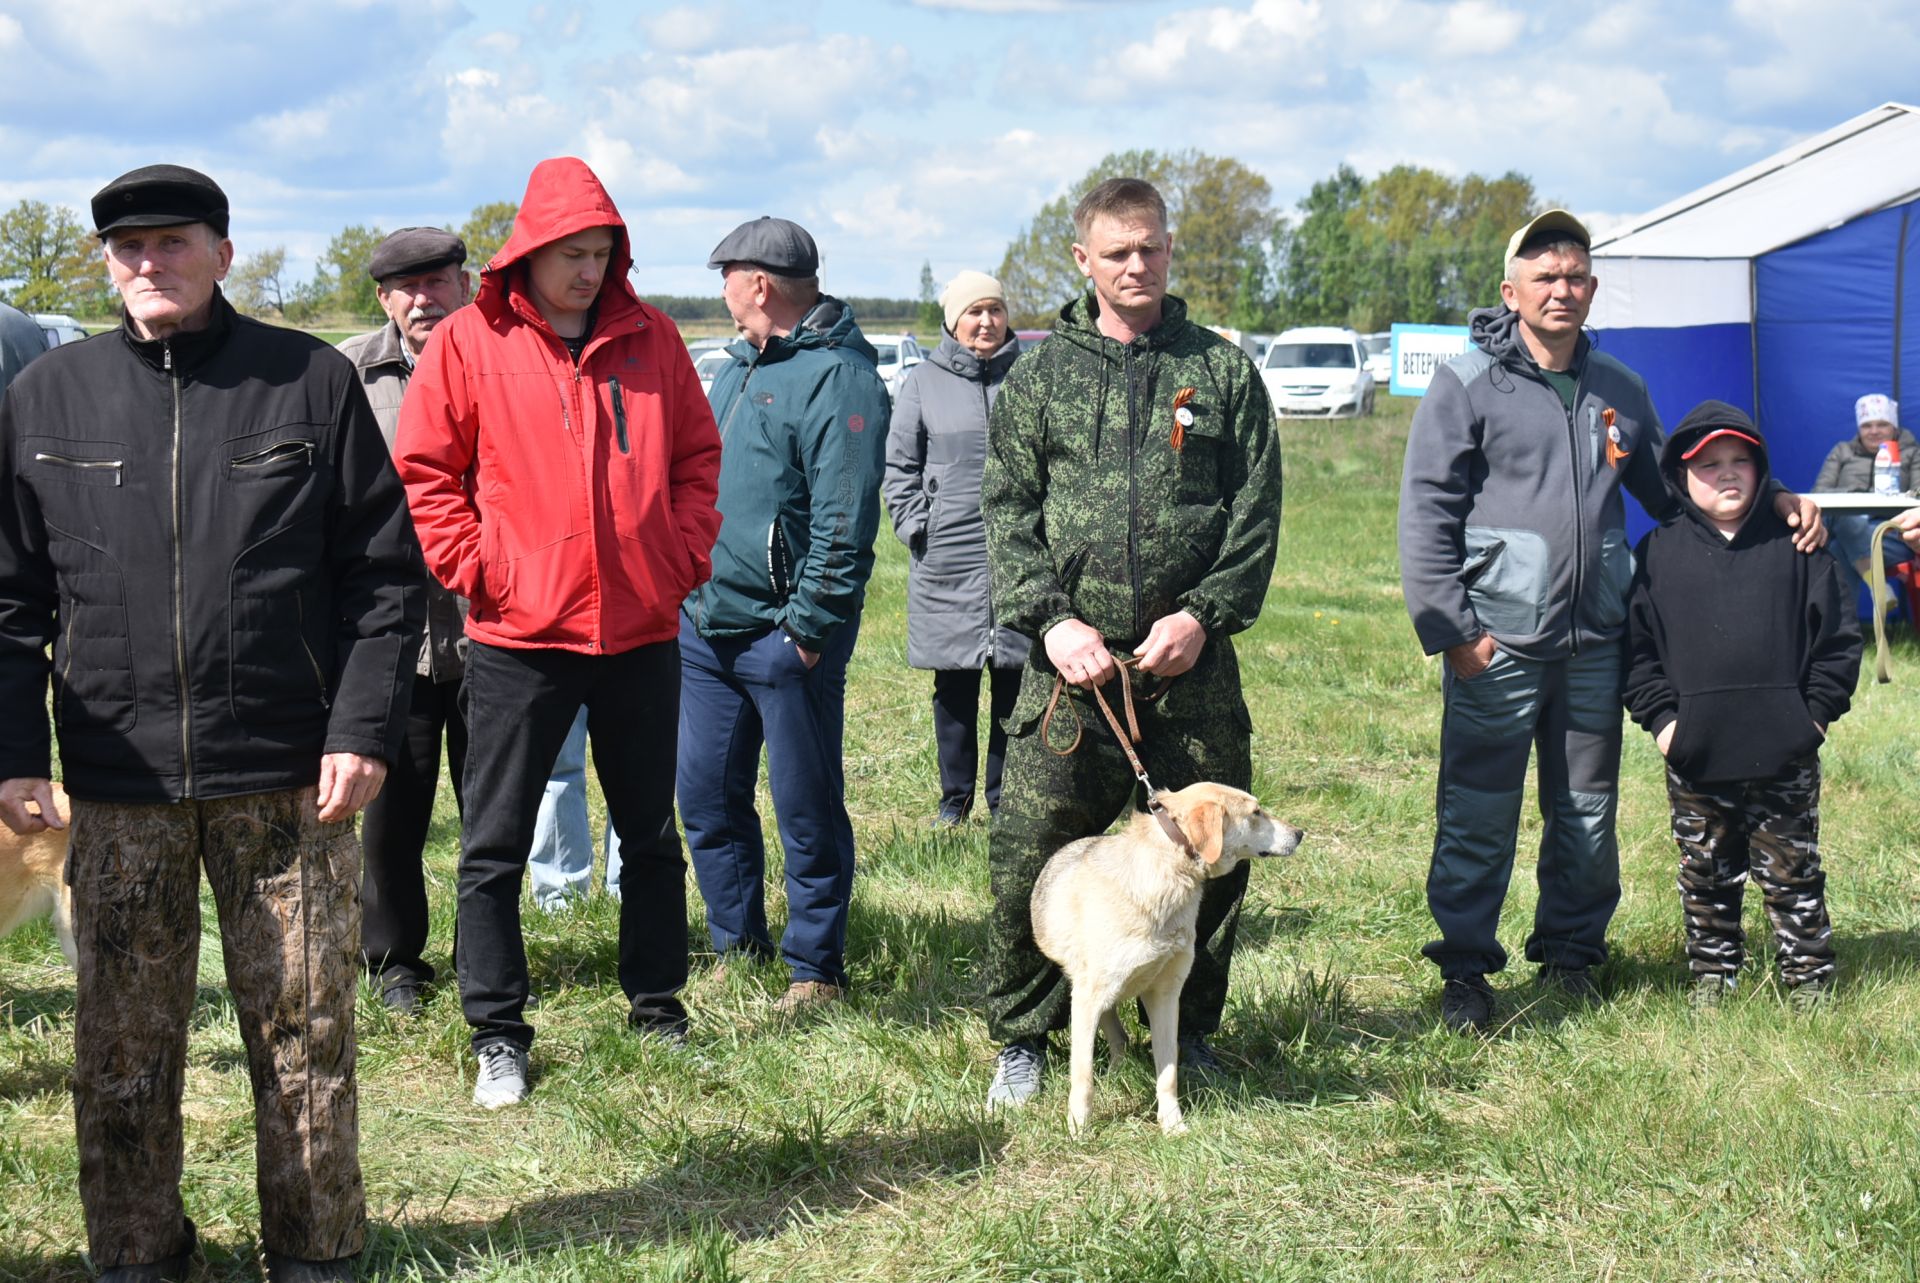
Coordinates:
728 1182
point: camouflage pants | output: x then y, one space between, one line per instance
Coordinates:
1773 828
286 889
1198 731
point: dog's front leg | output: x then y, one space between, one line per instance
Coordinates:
1086 1018
1163 1013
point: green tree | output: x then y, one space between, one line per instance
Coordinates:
257 283
341 283
1316 257
933 318
1220 213
486 230
49 262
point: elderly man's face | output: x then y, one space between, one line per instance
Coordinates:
166 275
745 291
1552 290
1126 258
421 300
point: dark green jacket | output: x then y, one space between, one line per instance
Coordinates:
803 433
1092 514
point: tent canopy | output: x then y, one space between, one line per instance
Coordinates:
1788 288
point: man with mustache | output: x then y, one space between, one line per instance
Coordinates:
420 278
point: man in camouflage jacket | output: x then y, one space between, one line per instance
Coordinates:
1132 500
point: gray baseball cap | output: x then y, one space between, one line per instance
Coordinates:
779 246
415 249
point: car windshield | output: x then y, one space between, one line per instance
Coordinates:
708 363
1310 356
1378 344
887 353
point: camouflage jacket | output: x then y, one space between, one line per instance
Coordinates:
1092 511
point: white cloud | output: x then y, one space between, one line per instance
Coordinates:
1477 28
1014 6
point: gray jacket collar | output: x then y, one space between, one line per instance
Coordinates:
390 348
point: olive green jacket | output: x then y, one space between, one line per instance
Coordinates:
1094 514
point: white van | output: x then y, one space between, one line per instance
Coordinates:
58 328
1318 371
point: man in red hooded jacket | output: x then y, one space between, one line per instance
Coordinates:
562 465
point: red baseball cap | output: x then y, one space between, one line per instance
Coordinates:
1715 435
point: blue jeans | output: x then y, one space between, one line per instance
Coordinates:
1850 539
561 862
736 694
1568 712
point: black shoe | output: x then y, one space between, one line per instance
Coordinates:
658 1021
174 1269
1197 1058
291 1269
1466 1005
1577 983
402 999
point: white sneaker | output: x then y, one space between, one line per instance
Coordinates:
502 1079
1016 1075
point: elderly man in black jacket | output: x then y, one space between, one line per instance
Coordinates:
199 515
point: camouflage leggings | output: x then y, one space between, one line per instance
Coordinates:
285 885
1773 828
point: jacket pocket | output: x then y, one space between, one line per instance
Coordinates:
1507 574
1607 604
1741 733
280 652
93 686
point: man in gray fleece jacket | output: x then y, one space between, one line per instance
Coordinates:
1515 564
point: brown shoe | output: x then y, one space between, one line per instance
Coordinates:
802 994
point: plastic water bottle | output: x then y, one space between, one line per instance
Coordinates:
1886 469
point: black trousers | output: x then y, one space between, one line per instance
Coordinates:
956 733
393 833
525 702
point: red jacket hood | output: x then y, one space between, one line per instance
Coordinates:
563 197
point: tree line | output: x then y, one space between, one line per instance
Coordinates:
1410 244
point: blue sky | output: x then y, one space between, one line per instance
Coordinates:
904 130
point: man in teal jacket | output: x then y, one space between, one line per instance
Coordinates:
765 643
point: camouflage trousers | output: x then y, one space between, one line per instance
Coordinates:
1199 730
1772 827
286 888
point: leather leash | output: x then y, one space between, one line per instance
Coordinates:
1882 673
1128 736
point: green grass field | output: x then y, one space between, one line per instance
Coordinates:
1352 1141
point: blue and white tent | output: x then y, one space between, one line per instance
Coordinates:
1788 289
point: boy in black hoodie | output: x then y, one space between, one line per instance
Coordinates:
1740 653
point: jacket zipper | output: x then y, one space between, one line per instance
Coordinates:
179 591
66 669
619 416
700 593
300 611
1133 489
1579 510
67 461
278 452
587 430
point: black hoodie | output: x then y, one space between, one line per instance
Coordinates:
1746 642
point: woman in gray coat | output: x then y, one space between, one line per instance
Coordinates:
936 449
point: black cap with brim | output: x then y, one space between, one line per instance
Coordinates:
159 196
781 247
413 250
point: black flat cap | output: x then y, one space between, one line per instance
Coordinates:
781 247
159 196
415 249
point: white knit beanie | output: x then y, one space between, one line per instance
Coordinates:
1870 408
966 289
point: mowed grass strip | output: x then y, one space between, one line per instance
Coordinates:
1351 1141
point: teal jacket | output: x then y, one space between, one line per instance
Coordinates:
803 437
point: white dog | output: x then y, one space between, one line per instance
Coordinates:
1117 914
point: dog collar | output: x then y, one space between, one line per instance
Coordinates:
1171 828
